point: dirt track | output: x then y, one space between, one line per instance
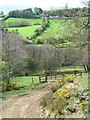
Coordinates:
26 106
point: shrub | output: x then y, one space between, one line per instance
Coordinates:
69 78
61 82
43 102
57 104
39 30
53 103
18 24
63 93
10 86
37 23
55 87
39 41
83 105
46 100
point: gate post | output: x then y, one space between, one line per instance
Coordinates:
51 75
39 79
55 75
45 76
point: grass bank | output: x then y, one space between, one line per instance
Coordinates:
23 81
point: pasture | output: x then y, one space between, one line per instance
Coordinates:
26 82
31 21
25 32
57 29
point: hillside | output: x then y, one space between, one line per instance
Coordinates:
31 21
59 29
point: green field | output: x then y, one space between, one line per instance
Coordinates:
70 68
23 81
31 21
25 31
27 81
57 28
1 18
85 81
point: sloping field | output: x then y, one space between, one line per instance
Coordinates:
26 31
58 28
31 21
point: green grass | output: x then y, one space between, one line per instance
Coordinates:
85 81
25 31
31 21
58 28
70 68
1 18
23 81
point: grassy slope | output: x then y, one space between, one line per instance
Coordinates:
23 81
31 21
1 18
57 28
71 68
26 31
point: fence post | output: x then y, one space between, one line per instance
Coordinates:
32 81
51 75
45 76
75 72
39 79
55 75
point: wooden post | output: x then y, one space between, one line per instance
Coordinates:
55 75
32 81
51 75
45 76
75 72
39 79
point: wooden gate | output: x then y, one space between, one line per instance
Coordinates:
42 78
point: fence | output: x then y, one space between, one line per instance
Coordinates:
43 78
55 75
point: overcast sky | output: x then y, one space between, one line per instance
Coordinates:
7 5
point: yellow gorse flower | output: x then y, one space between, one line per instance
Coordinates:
63 92
69 77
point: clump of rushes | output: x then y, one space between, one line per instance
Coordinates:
53 103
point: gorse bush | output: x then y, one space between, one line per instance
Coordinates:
63 93
9 87
61 82
69 78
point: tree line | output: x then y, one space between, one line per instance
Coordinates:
25 13
29 13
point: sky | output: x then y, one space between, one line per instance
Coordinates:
8 5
